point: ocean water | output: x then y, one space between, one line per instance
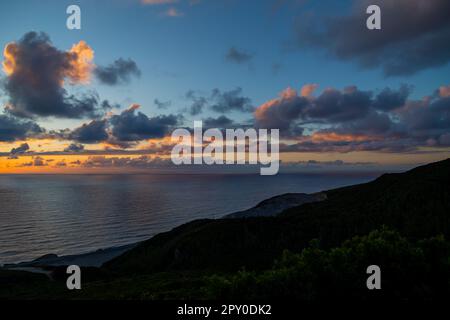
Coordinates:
72 214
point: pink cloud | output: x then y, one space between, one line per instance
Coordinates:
308 89
444 91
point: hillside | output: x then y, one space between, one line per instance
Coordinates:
416 203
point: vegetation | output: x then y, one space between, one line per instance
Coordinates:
419 270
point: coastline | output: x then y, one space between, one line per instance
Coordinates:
89 259
269 207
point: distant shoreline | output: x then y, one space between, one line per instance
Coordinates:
269 207
91 259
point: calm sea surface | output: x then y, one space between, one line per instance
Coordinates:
71 214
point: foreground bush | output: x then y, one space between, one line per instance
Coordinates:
409 270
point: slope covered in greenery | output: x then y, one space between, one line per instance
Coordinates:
416 203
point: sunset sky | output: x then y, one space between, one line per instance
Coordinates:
106 98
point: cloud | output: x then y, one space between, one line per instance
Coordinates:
12 129
130 126
92 132
332 106
162 104
444 139
371 125
139 162
355 120
444 91
197 103
123 130
403 47
233 100
74 147
308 89
36 74
238 56
24 147
220 122
340 106
350 144
282 112
61 163
220 101
428 118
39 162
119 72
80 62
389 99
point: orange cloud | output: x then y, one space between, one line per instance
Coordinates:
336 137
9 64
286 94
308 89
81 64
134 106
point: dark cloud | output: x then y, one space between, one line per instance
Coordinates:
388 146
350 108
74 147
12 129
219 101
389 99
92 132
118 72
373 124
24 147
132 126
197 103
162 104
414 35
336 106
233 100
427 118
355 120
36 72
219 122
282 113
238 56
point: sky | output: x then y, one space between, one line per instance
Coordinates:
108 96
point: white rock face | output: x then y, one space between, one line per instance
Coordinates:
274 206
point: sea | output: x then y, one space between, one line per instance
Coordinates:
74 214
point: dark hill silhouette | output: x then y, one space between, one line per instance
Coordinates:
416 203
